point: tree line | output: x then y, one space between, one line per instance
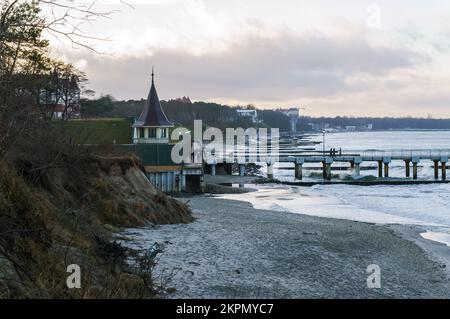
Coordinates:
223 116
184 114
48 216
378 123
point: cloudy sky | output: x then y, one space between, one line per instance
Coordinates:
352 57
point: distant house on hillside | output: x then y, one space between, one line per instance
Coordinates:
253 114
294 115
61 97
57 96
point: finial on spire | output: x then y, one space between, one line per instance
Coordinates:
153 75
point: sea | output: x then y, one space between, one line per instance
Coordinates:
427 205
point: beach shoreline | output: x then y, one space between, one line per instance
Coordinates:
233 250
436 251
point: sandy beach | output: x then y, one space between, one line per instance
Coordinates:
235 251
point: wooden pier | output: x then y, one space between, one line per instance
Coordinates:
411 159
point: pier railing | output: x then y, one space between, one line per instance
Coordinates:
403 153
411 157
368 154
395 153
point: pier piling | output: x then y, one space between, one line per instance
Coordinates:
324 170
298 172
228 168
380 169
327 168
328 172
357 165
269 170
407 168
386 161
415 161
299 168
241 169
436 169
415 171
444 160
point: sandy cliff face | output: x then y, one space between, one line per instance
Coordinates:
67 216
136 198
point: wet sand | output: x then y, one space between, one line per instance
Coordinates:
235 251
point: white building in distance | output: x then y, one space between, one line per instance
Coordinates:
294 114
253 114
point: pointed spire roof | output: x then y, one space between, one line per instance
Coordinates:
152 115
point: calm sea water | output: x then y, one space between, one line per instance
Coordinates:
427 205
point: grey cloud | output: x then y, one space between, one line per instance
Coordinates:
254 68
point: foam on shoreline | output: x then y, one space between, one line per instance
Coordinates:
403 205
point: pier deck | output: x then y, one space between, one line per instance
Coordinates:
439 157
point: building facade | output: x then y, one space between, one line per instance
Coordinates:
151 142
293 114
61 97
253 114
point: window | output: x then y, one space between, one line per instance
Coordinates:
141 132
152 133
163 132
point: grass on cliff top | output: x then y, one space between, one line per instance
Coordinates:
98 131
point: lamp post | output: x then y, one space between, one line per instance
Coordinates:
323 142
323 153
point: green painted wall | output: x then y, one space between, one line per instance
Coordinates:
151 154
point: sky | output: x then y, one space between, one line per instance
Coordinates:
350 57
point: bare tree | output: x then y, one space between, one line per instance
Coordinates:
64 86
66 20
25 63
